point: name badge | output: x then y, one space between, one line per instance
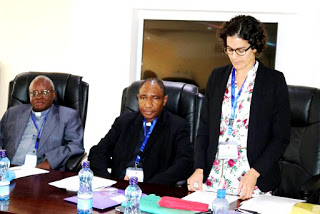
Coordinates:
137 172
228 150
30 160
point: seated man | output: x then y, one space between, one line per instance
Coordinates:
153 142
40 133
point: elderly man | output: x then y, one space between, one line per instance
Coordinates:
152 144
41 134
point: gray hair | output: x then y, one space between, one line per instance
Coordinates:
42 77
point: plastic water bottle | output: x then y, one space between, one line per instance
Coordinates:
85 194
133 194
4 177
220 205
4 205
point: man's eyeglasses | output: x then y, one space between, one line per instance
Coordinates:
43 92
239 51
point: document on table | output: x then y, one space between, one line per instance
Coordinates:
24 171
207 197
270 204
72 183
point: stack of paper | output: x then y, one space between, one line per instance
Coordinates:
24 171
72 183
270 204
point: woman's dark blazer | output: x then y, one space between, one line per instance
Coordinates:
269 124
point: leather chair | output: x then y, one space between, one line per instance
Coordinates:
300 164
181 79
70 91
183 100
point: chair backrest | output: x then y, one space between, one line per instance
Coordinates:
181 79
183 100
70 91
301 160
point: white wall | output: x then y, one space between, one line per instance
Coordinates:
97 39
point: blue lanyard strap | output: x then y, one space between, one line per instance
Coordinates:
234 100
146 138
39 130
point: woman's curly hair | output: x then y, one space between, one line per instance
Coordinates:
247 28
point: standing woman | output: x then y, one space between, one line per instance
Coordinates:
245 118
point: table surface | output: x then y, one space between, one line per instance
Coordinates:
33 194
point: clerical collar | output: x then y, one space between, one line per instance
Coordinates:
40 113
148 123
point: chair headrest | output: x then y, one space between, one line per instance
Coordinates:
181 97
304 105
66 85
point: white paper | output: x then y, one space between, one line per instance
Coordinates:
270 204
207 197
24 171
72 183
119 198
30 160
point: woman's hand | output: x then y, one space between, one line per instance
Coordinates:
195 180
247 184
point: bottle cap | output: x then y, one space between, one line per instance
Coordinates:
85 164
221 193
133 180
3 153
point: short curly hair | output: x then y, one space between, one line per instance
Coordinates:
247 28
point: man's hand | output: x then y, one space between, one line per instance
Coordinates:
126 178
247 184
195 180
44 165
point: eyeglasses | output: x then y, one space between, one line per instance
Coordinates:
239 51
43 92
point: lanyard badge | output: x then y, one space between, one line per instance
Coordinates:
31 159
146 138
38 130
228 150
234 100
135 171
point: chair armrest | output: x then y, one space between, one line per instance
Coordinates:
310 190
74 162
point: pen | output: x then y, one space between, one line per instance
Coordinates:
246 211
233 194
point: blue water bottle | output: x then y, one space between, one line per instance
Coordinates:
133 194
85 194
220 205
4 178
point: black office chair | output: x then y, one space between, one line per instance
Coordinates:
70 91
183 100
181 79
300 164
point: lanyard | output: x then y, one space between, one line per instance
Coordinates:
39 130
146 138
234 100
